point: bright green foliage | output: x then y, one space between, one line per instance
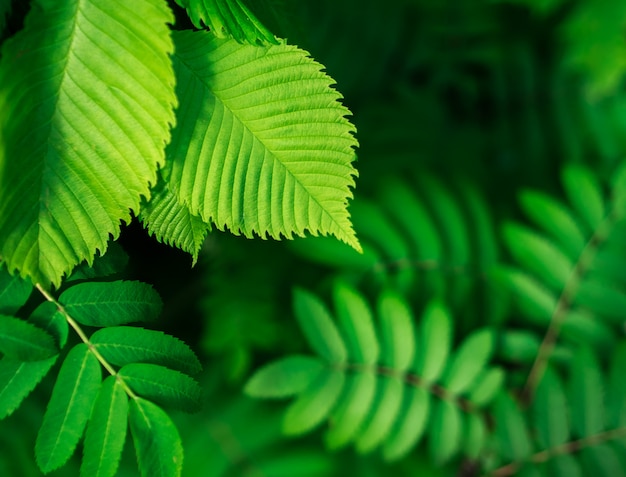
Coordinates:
159 450
106 431
68 410
101 89
228 18
262 144
387 402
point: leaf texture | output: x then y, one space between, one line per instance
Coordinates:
157 443
13 292
69 408
106 431
228 18
24 341
262 144
111 303
95 78
122 345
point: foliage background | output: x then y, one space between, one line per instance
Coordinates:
500 95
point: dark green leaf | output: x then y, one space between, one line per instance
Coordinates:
126 344
111 303
69 408
550 411
157 443
162 385
24 341
586 394
410 427
106 431
446 431
511 430
285 377
585 194
47 317
14 291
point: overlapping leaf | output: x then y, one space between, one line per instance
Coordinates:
262 145
95 79
382 395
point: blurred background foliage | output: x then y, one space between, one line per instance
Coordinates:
459 105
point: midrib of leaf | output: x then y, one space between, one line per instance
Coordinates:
270 159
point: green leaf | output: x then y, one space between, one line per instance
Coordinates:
475 436
352 409
602 461
47 317
96 78
111 303
435 341
585 194
106 431
550 411
262 144
556 219
355 318
318 327
536 302
564 466
157 443
386 408
314 404
602 298
285 377
171 222
18 379
446 431
162 385
538 255
14 291
586 394
511 430
469 361
228 18
409 429
113 262
69 408
616 392
486 386
24 341
122 345
398 335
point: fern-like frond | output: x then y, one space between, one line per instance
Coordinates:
228 18
262 144
569 281
384 384
87 95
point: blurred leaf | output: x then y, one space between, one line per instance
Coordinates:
398 335
285 377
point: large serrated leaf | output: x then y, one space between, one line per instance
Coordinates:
122 345
157 443
162 385
384 413
355 318
314 404
171 221
446 431
111 303
398 334
318 327
435 341
14 291
106 431
285 377
69 408
24 341
409 429
228 18
353 407
95 78
469 361
262 145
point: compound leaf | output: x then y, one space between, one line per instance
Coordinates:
262 145
122 345
69 408
24 341
111 303
96 79
106 431
162 385
157 443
